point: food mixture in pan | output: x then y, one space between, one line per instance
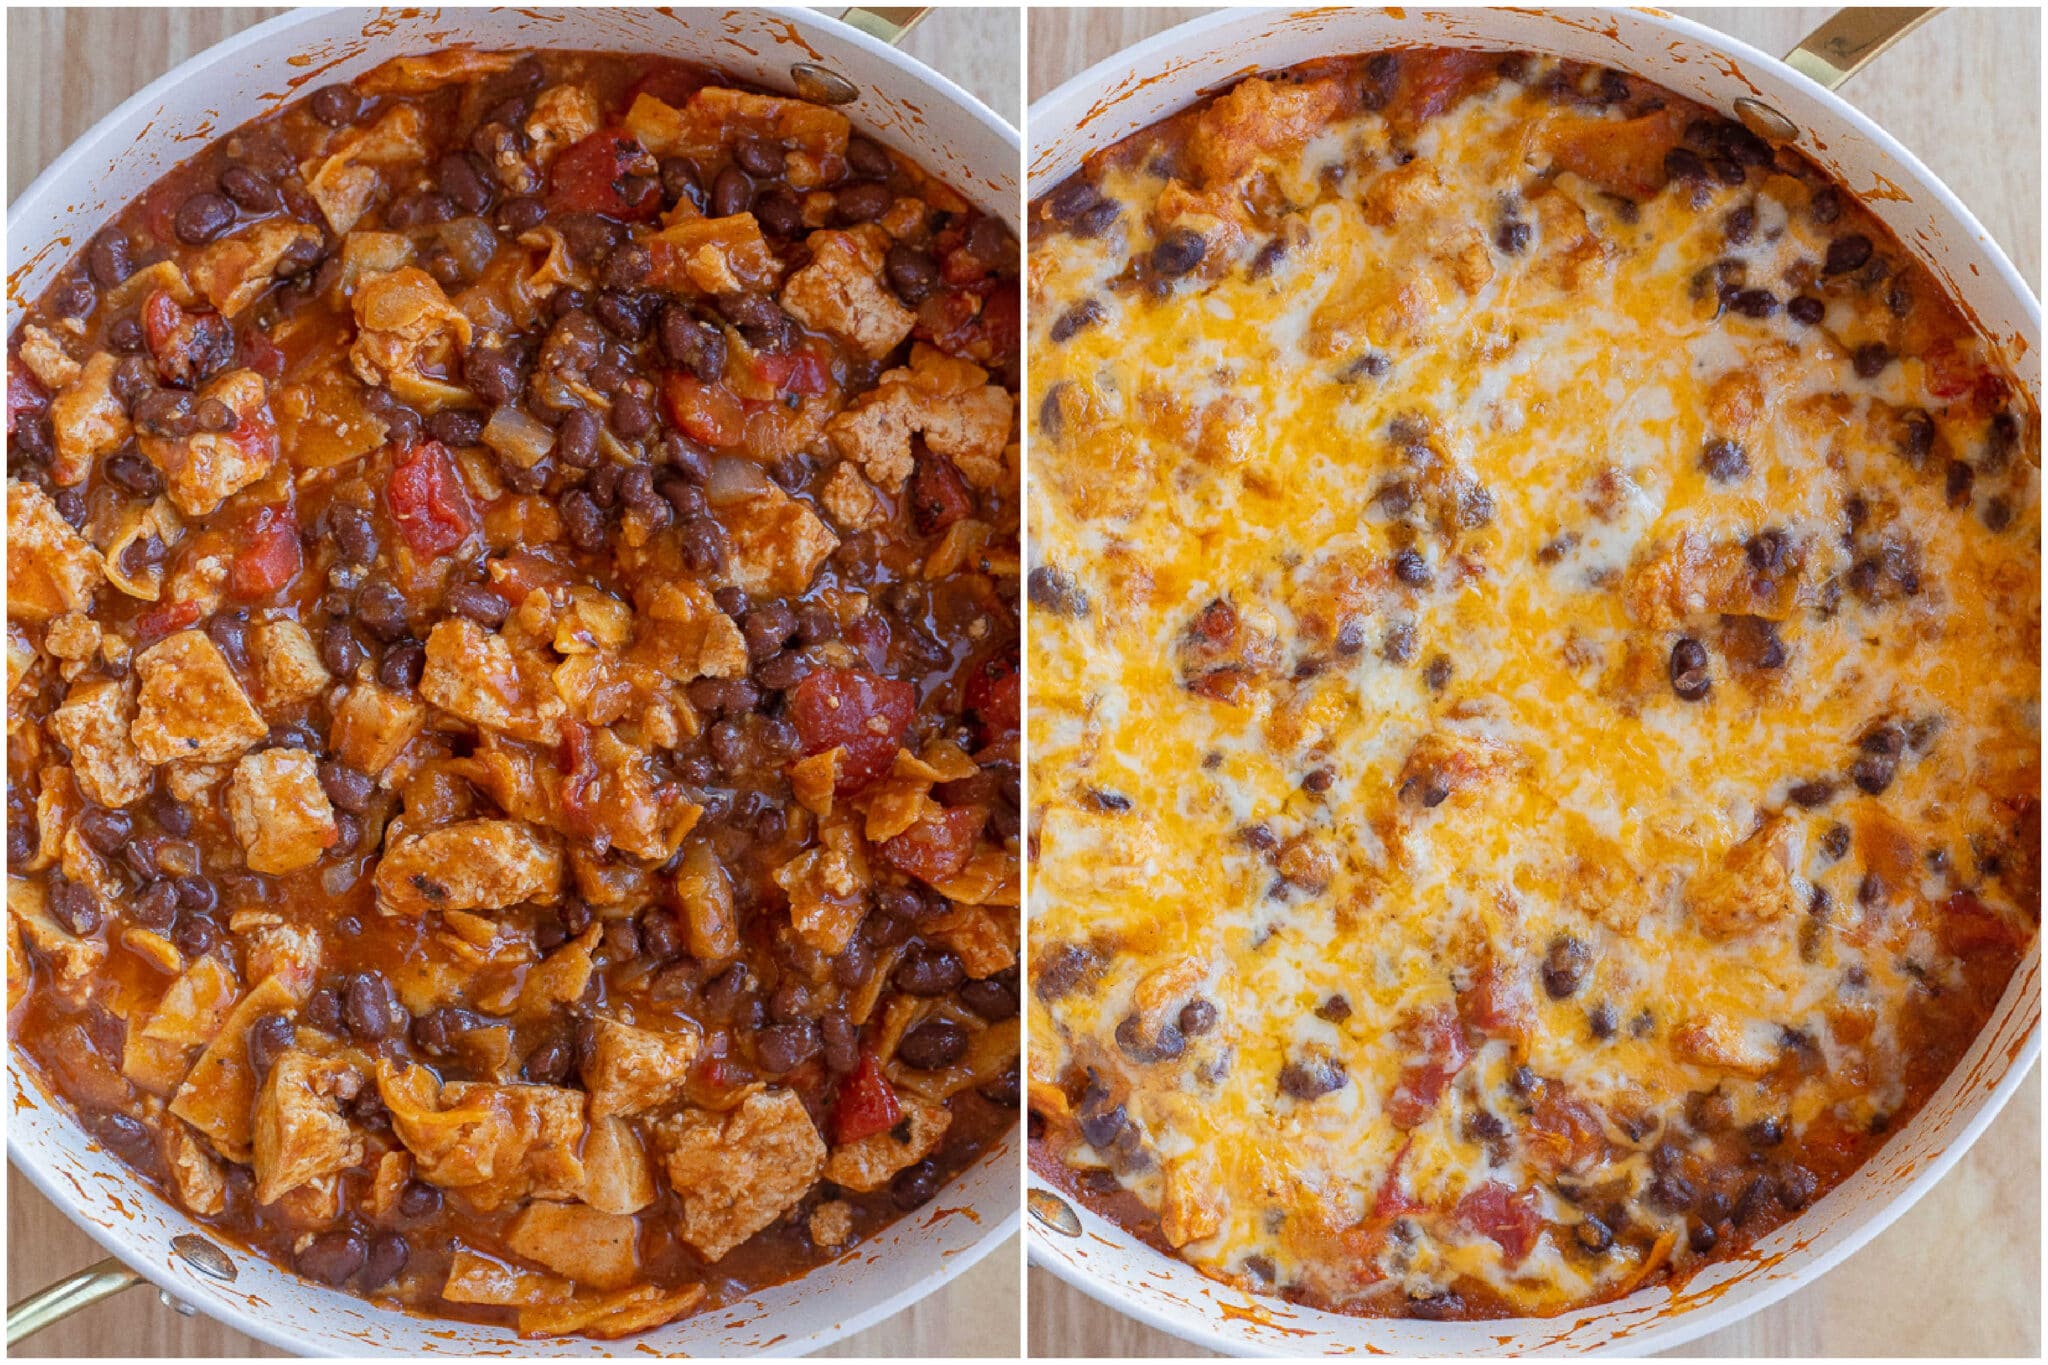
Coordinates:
1535 713
512 703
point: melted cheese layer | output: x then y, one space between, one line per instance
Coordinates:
1375 557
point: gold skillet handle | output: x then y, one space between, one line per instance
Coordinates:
1852 39
53 1304
887 22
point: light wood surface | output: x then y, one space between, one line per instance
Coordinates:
1960 1274
66 68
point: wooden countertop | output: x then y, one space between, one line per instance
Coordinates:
1960 1274
105 55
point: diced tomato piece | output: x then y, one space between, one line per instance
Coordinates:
1001 323
267 554
1440 1037
579 774
428 501
606 173
992 695
709 413
937 846
1509 1218
866 1103
25 396
1500 1002
860 712
793 372
261 354
1392 1200
938 495
187 347
950 320
165 618
1564 1132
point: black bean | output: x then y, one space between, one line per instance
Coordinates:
1512 236
782 1048
927 971
932 1046
1725 461
915 1186
75 906
583 521
202 218
418 1200
125 335
731 193
105 830
868 159
1806 309
551 1062
110 259
250 190
1312 1078
1871 358
335 105
129 471
1197 1017
1061 969
1163 1046
1411 568
127 1135
1178 252
1076 320
387 1256
1753 303
370 1008
465 180
1812 794
863 202
1873 772
1796 1187
403 665
1846 254
1071 198
759 157
331 1257
348 788
269 1037
912 273
521 215
156 906
990 999
1740 224
1096 219
632 417
1565 968
380 608
1690 678
780 212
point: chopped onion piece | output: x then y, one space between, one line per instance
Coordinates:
517 436
736 480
